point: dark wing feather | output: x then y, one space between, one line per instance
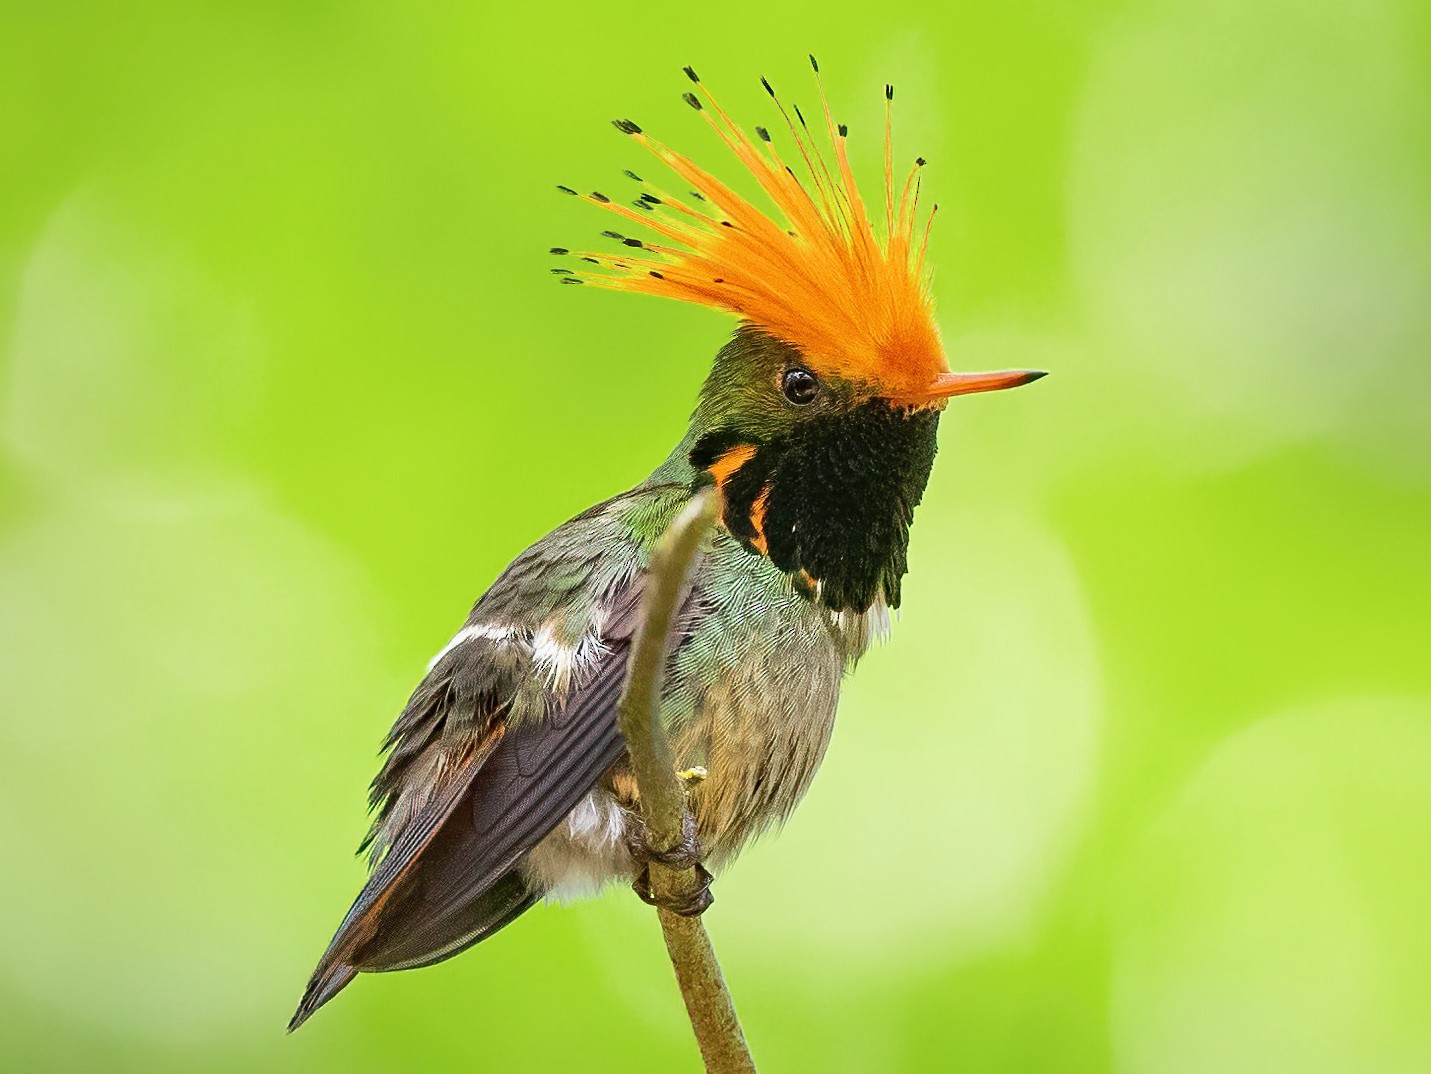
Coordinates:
338 965
450 878
527 785
451 875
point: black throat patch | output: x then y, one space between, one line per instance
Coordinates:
832 501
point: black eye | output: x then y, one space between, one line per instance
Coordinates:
800 386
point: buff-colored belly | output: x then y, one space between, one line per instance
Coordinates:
757 718
760 745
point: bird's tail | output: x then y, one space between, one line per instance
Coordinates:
405 940
327 982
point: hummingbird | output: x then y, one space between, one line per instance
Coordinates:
505 780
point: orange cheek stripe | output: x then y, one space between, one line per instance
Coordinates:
757 519
730 462
723 469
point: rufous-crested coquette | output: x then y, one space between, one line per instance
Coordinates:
506 779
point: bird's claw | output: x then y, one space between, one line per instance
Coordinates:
690 903
684 855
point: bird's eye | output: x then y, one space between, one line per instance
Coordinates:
800 386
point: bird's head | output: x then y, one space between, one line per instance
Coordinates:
818 420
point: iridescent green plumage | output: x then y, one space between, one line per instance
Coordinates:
750 695
506 778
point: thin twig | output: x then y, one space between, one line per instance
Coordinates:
663 793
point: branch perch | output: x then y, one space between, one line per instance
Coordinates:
663 793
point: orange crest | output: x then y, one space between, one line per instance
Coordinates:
854 304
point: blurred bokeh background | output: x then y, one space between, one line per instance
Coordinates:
1140 784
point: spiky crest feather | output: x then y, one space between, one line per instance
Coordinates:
855 304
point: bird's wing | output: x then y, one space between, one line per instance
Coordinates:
525 785
485 760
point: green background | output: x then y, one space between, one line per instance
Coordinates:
1140 785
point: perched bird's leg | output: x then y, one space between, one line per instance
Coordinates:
686 854
692 903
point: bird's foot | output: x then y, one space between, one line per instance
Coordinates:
684 855
692 902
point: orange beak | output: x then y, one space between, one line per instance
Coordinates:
948 384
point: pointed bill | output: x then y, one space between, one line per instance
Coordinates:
950 384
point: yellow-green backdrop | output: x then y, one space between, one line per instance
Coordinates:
1140 785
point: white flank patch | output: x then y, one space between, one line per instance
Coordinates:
597 822
583 855
562 662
